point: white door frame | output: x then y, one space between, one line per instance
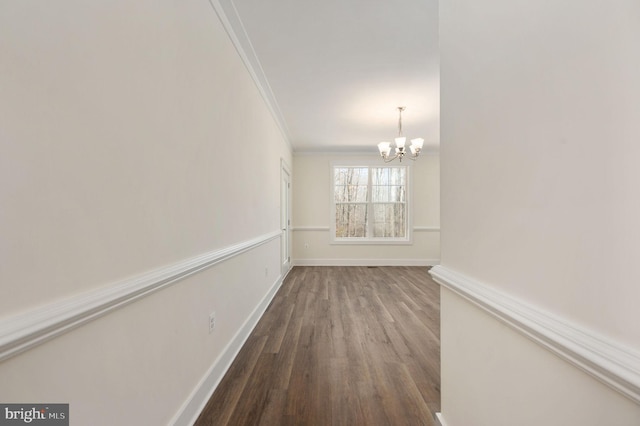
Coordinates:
285 217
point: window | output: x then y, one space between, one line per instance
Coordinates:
370 204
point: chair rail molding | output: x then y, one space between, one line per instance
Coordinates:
310 228
23 331
426 229
610 362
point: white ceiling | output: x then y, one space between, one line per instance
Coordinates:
335 71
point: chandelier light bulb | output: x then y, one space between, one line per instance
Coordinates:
415 147
385 148
417 142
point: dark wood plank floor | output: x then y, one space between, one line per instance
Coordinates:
339 346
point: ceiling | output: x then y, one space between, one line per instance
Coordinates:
335 71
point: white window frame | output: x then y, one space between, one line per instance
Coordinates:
406 240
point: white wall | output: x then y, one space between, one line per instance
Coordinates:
540 124
312 209
117 122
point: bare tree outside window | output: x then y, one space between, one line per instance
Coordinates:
350 189
370 202
388 198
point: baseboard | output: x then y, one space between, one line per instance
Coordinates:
610 362
440 419
366 262
195 403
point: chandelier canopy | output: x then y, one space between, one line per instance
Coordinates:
400 150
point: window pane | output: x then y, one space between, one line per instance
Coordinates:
380 175
351 220
388 175
350 184
380 193
376 211
397 193
388 184
389 220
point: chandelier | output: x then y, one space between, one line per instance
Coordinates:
400 150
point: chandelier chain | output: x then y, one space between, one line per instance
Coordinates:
400 109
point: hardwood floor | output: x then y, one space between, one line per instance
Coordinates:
339 346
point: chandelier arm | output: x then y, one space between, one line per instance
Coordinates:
388 159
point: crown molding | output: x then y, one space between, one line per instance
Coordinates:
228 15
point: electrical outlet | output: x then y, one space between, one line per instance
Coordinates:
212 322
306 245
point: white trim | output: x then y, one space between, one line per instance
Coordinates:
408 203
370 241
610 362
365 151
228 15
327 228
366 262
311 228
285 216
195 403
352 151
26 330
440 419
426 229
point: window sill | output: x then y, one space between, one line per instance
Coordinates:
372 241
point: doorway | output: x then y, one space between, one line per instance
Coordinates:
285 217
